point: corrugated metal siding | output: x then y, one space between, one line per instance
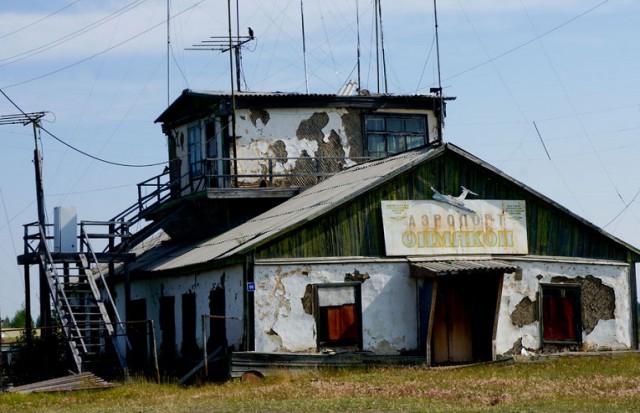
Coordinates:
450 267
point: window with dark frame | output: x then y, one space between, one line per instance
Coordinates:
338 315
194 142
389 134
561 315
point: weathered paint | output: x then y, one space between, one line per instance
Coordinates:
323 132
201 283
435 228
520 297
358 224
284 323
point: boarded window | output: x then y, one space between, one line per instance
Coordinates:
339 315
189 346
561 315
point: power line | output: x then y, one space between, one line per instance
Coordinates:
39 20
623 209
79 150
102 51
528 42
47 46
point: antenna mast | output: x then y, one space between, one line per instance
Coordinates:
439 90
304 48
384 59
358 31
168 48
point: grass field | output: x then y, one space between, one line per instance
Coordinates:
603 383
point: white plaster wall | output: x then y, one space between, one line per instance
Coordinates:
201 284
256 140
608 334
389 310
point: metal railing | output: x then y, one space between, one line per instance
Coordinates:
258 172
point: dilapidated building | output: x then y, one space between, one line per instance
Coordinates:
377 259
306 227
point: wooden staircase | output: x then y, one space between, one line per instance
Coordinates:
89 319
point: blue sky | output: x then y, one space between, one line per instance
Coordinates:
100 70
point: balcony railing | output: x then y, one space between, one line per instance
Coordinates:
282 172
234 173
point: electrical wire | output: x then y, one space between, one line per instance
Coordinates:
79 150
6 214
86 59
528 42
39 20
54 43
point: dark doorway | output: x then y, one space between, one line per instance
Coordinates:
464 318
189 348
168 327
217 323
137 334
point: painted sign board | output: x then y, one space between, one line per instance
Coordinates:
251 286
436 228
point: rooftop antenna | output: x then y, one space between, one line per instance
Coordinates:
358 48
227 44
375 5
304 48
168 49
439 89
384 59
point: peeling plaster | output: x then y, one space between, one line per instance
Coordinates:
525 312
389 315
605 299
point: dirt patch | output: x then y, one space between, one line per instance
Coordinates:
356 276
526 312
307 300
353 129
279 149
261 114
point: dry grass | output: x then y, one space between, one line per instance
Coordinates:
607 382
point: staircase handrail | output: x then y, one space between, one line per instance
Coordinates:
86 241
58 290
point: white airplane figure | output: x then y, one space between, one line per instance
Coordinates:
457 202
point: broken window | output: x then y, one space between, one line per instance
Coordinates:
195 151
338 315
390 134
561 313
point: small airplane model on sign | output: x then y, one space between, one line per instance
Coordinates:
457 201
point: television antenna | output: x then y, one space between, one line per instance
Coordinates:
223 44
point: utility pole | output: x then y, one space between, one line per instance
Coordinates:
45 310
